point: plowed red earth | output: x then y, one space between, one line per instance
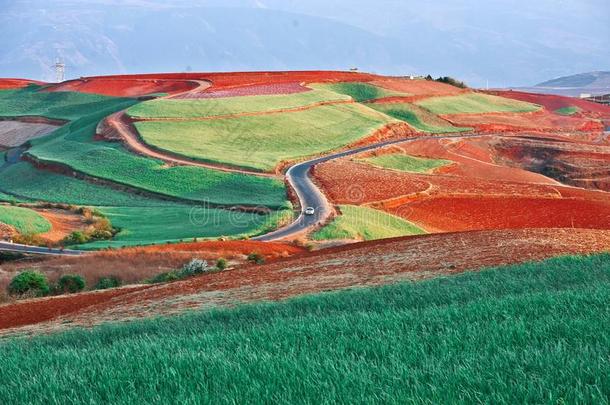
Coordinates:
125 87
445 214
552 102
255 90
363 264
541 121
137 85
16 83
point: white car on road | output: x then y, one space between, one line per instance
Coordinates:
310 211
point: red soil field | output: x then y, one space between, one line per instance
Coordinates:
16 83
552 102
137 85
448 214
253 90
541 121
362 264
368 184
124 87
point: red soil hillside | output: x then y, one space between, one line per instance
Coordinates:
16 83
137 85
363 264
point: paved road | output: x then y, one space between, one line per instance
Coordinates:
310 195
14 247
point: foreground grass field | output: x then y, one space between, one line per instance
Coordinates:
196 108
533 333
417 117
359 92
261 142
24 220
474 103
365 223
407 163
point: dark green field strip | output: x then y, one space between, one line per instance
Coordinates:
533 333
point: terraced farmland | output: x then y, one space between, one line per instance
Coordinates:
365 224
211 107
474 103
261 142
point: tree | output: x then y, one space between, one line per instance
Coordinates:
29 283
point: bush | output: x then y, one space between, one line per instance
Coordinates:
29 283
108 282
256 258
221 264
166 277
76 238
452 81
195 266
70 283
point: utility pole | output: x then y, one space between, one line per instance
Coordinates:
60 70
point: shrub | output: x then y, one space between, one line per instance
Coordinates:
221 264
195 266
256 258
452 81
108 282
76 238
166 277
70 283
29 283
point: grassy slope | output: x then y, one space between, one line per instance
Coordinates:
73 145
414 117
143 220
147 225
567 110
179 108
25 220
59 105
535 333
407 163
359 91
261 142
474 103
365 223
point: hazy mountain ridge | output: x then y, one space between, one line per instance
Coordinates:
522 46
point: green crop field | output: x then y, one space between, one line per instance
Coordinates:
29 183
568 110
474 103
59 105
365 223
174 222
24 220
184 108
261 142
73 146
417 117
532 333
359 92
407 163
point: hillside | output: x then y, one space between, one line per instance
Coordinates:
594 83
399 342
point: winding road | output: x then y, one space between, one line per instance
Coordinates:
14 247
311 196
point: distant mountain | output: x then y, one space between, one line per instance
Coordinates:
594 83
504 42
